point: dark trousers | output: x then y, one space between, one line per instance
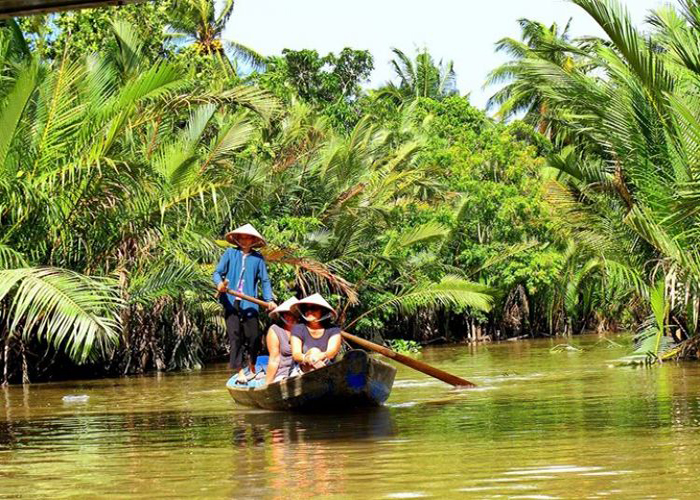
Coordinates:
243 334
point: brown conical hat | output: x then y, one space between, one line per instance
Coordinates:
284 307
248 229
315 300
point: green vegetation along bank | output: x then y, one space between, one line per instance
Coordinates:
136 137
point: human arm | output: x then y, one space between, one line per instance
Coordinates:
297 347
332 349
219 276
273 347
334 344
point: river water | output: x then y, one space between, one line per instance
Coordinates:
540 425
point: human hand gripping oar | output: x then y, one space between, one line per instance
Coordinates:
268 306
384 351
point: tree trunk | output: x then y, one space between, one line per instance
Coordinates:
25 365
6 362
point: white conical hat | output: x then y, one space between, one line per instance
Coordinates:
250 231
315 300
284 307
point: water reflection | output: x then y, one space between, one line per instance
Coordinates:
374 423
541 425
302 452
194 430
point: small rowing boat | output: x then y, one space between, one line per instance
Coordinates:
357 380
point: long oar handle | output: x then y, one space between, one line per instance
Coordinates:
410 362
259 302
385 351
243 296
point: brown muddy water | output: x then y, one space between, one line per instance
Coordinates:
540 425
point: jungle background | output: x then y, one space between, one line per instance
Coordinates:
134 138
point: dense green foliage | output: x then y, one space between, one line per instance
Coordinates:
120 168
330 83
134 143
624 115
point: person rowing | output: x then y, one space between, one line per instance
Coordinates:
245 268
278 340
317 340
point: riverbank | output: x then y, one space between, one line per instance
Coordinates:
541 423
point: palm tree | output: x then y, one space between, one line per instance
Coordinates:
626 183
197 22
519 95
420 78
97 170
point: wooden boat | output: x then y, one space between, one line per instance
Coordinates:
357 380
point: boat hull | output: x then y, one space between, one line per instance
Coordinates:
355 381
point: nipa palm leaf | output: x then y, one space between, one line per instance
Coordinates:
70 311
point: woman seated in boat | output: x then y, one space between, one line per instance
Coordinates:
278 341
316 340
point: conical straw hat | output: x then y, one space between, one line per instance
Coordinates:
284 307
245 229
315 300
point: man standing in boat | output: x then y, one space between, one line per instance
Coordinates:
243 269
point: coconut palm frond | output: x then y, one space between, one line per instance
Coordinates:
420 77
16 102
11 258
246 54
508 253
254 98
232 137
450 292
177 162
128 55
70 311
629 276
425 233
166 278
319 270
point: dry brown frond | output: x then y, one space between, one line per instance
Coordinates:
290 155
622 188
315 268
344 197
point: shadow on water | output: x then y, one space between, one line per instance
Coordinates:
251 428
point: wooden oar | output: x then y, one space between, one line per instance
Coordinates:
243 296
384 351
410 362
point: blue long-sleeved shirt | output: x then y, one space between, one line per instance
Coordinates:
255 273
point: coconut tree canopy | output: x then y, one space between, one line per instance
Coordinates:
12 8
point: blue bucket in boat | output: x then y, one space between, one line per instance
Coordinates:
261 363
